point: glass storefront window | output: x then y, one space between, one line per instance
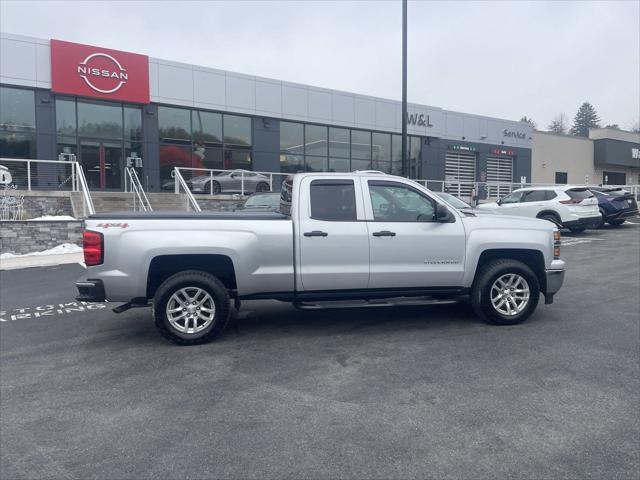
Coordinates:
291 138
339 165
237 131
132 123
291 163
65 117
212 159
237 159
207 128
396 154
17 145
99 120
316 164
360 164
17 110
414 157
174 125
381 150
339 142
360 145
315 140
173 156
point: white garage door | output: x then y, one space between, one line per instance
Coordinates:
460 173
499 175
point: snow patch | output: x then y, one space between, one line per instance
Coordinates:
59 250
53 218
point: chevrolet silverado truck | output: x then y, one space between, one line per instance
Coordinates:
339 239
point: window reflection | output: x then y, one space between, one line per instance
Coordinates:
99 120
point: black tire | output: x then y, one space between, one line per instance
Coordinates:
577 229
262 187
212 188
551 217
617 222
482 285
191 279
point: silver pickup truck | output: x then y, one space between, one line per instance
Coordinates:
342 239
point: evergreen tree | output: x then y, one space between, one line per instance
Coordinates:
528 120
559 124
586 118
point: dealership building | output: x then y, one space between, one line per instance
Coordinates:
103 107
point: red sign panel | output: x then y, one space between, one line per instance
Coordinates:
96 72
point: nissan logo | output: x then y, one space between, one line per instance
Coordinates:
88 69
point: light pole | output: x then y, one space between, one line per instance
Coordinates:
404 89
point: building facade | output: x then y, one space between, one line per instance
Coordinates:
608 157
107 109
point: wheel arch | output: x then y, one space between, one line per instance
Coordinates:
534 259
164 266
548 211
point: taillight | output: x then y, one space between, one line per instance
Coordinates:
556 244
92 244
571 201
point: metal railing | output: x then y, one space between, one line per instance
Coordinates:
210 181
81 182
132 184
180 183
30 175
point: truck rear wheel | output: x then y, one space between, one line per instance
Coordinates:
191 307
505 292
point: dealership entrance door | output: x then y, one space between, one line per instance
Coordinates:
102 163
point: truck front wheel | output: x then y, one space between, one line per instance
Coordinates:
191 307
505 292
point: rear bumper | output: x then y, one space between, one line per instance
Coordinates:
554 280
585 222
90 290
621 214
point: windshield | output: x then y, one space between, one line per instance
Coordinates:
263 200
454 201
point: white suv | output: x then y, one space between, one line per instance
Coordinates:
575 208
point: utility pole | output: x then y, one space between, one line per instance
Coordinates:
405 163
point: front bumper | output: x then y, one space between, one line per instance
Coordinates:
585 222
90 290
554 278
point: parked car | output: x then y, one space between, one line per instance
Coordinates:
269 201
461 205
234 181
572 207
615 204
328 243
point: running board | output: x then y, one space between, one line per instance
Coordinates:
387 302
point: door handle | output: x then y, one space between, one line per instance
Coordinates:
315 233
384 233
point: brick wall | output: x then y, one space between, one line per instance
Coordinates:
34 236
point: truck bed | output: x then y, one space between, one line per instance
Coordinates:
235 215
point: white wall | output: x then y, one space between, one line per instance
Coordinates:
561 153
25 61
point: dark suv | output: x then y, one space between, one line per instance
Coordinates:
615 204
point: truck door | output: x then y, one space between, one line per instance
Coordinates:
408 248
333 241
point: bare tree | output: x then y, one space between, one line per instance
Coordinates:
560 124
635 126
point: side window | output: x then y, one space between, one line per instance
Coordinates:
535 196
511 198
395 202
550 194
333 200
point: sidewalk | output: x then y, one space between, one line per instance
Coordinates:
40 261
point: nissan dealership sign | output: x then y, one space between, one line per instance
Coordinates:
88 71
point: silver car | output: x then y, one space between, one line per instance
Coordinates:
235 181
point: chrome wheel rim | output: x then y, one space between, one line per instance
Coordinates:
510 294
190 310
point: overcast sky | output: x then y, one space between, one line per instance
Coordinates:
503 59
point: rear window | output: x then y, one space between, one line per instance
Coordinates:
579 193
333 200
285 195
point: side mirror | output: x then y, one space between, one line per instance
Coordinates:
499 201
442 214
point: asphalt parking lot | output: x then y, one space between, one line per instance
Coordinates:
377 393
